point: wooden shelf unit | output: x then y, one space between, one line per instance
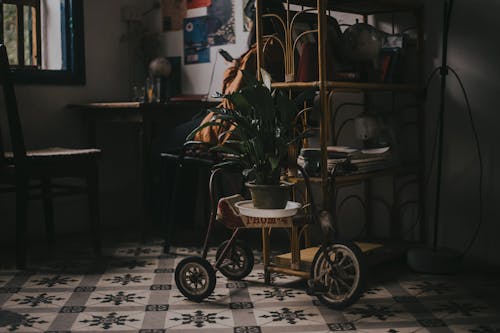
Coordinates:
348 86
292 263
355 178
361 7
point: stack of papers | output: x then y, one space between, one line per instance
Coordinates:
363 160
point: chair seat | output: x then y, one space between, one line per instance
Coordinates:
57 162
56 152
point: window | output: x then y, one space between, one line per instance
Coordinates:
44 40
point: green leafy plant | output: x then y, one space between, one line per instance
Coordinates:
260 127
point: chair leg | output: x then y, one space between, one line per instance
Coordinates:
21 221
165 196
48 210
93 198
170 228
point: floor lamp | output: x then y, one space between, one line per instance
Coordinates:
438 260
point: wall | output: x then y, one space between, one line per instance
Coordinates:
47 122
196 77
474 54
115 62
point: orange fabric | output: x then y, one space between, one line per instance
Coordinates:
232 82
227 213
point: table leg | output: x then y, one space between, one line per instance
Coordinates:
265 255
92 132
295 248
147 138
141 180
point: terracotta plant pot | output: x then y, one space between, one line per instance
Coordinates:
269 196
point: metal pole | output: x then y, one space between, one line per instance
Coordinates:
323 100
444 72
258 35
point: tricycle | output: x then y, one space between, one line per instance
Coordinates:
334 270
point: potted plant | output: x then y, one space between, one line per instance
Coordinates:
257 132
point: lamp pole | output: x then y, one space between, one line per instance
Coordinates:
438 260
448 6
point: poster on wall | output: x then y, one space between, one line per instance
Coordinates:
248 14
196 48
220 23
191 4
173 14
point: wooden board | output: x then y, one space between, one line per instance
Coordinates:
307 255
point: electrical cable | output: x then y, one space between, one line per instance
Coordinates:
444 71
363 205
433 154
479 155
434 144
417 221
337 109
341 127
428 176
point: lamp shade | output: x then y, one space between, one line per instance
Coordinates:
160 67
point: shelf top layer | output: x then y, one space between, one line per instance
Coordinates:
362 7
359 177
349 86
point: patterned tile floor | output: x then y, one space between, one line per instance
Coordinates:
133 289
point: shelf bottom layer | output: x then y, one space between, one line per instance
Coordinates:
307 255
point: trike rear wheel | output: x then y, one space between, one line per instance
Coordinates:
238 260
338 274
195 278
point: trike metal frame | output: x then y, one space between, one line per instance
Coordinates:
334 265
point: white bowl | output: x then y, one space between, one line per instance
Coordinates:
246 208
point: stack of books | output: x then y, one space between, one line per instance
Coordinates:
362 160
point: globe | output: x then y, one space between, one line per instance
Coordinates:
160 67
363 42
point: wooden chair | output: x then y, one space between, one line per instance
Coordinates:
30 173
174 166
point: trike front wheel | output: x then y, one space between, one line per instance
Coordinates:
195 278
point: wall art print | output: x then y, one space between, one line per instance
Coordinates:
220 23
191 4
196 48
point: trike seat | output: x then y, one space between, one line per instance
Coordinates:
228 214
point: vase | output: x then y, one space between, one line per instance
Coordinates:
269 196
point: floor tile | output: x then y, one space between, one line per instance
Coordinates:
199 318
288 316
37 300
25 322
133 289
126 279
4 279
277 294
53 281
108 321
118 298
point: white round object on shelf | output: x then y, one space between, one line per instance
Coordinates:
160 67
363 42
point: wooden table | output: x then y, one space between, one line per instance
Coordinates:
149 118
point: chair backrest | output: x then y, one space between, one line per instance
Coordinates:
10 106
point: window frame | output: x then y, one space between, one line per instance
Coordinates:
74 52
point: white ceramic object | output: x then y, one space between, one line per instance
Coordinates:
246 208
